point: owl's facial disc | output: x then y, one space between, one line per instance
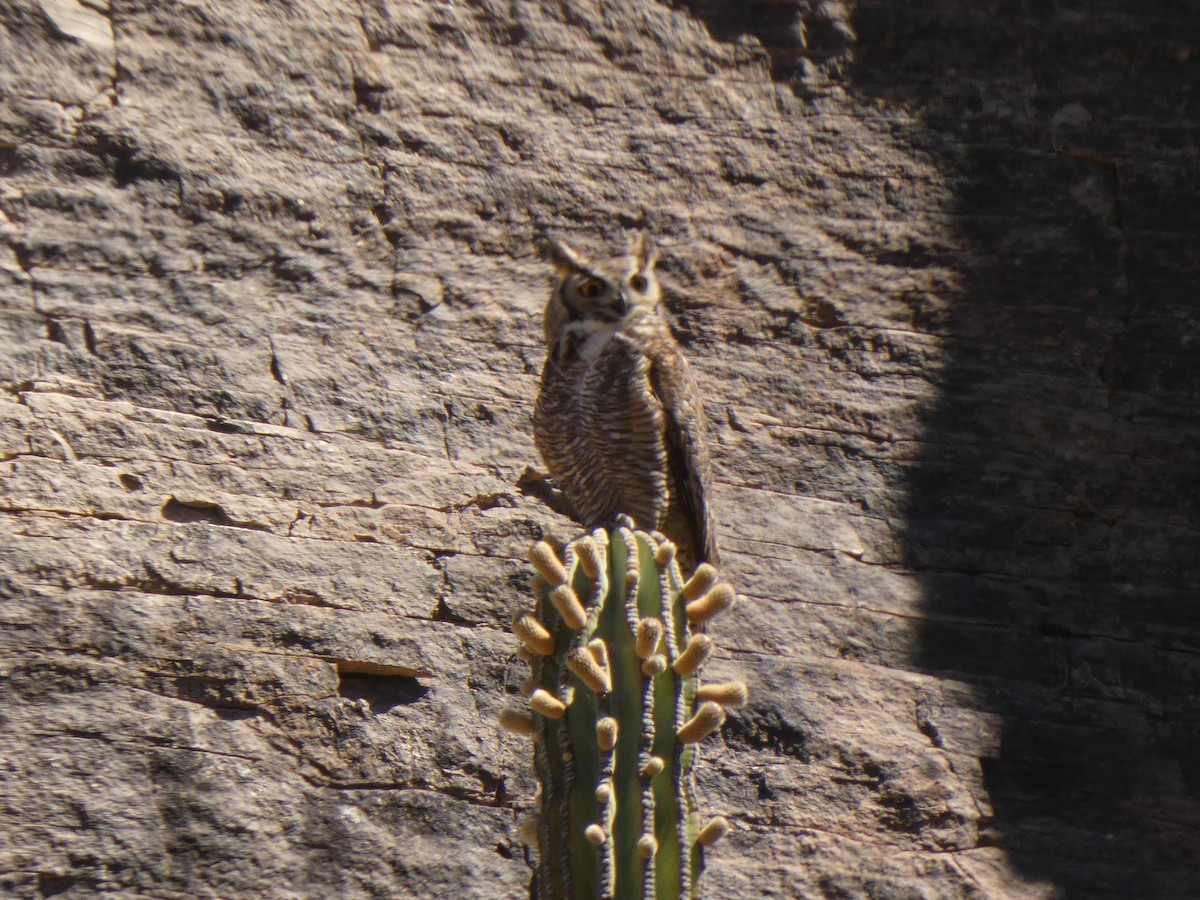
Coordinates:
589 296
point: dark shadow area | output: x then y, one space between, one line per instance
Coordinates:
196 511
381 692
1054 516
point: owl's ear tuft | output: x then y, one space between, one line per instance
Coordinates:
564 258
643 249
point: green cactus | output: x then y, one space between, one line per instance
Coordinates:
615 710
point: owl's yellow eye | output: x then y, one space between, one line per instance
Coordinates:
639 283
591 289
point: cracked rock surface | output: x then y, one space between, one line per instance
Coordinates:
270 300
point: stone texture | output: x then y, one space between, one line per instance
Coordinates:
269 337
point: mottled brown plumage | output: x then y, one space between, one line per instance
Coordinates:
618 419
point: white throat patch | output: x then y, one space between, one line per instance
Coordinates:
590 337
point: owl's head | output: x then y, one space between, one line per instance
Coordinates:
601 290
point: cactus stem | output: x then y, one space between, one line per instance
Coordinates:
583 664
533 634
599 651
614 710
590 556
698 650
516 721
547 563
702 579
606 734
567 603
716 829
548 705
647 846
649 633
716 601
729 693
655 665
653 766
527 830
708 718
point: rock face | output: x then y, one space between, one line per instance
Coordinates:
270 302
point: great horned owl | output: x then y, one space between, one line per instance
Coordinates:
618 419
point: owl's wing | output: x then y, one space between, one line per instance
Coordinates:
687 451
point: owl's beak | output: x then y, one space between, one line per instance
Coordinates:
621 303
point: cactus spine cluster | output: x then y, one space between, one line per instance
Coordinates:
615 710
